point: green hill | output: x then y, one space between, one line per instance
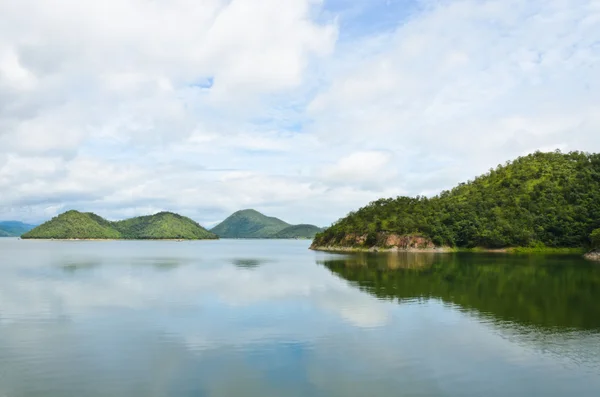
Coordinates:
79 225
249 224
298 231
252 224
14 228
164 225
540 200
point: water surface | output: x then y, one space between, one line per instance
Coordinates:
272 318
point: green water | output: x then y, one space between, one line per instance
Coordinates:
272 318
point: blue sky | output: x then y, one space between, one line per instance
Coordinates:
302 109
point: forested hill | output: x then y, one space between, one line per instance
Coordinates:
298 231
86 225
543 199
250 223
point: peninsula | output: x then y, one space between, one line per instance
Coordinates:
73 225
252 224
542 201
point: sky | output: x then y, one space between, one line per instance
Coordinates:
301 109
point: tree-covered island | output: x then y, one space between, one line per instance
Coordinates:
88 226
543 201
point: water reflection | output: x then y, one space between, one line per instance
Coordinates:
77 266
210 326
548 292
249 263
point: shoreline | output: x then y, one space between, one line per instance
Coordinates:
380 249
509 250
593 255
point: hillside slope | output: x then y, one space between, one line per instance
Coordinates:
543 199
79 225
14 228
249 224
298 231
74 224
164 225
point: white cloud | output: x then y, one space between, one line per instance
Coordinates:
123 107
366 169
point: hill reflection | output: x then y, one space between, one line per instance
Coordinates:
561 293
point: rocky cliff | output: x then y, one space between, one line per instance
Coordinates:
377 242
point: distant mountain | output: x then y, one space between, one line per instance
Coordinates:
14 228
249 224
298 231
252 224
86 225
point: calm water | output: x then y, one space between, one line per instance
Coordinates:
271 318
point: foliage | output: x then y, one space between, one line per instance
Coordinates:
595 239
249 224
13 228
543 199
78 225
164 225
74 224
298 231
252 224
539 290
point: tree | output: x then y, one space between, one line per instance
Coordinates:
543 199
595 238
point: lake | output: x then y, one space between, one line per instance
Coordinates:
272 318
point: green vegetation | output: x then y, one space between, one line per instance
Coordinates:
595 239
74 224
14 229
252 224
537 201
298 231
540 290
164 225
78 225
249 224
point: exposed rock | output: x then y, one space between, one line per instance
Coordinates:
593 255
381 242
407 242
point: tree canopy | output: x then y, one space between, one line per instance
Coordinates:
543 199
86 225
595 239
250 223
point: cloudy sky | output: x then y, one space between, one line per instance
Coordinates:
302 109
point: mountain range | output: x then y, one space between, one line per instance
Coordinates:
250 223
86 225
14 228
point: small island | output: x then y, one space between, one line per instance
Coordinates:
75 225
543 202
251 224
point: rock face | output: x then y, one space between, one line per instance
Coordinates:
407 242
381 241
593 255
